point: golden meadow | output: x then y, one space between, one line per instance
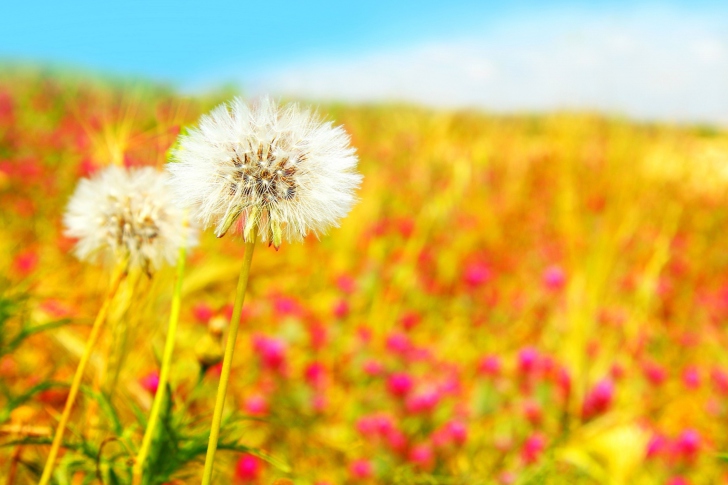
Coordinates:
514 300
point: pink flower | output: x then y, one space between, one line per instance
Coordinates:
397 440
720 380
271 351
346 283
256 405
423 402
453 432
458 431
202 312
554 278
317 335
655 373
373 367
341 309
528 360
364 333
150 382
400 384
507 478
656 446
248 468
599 399
691 377
283 306
532 448
422 456
410 320
678 481
477 274
361 469
533 412
367 426
26 262
563 381
617 371
316 375
398 343
687 444
490 366
319 402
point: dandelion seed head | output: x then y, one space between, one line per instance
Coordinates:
278 169
130 213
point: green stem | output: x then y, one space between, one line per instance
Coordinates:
118 276
138 469
227 361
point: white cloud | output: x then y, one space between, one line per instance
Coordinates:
647 64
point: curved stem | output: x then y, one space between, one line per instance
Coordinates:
138 469
118 276
227 361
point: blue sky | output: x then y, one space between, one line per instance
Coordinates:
666 60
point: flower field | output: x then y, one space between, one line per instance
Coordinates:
512 300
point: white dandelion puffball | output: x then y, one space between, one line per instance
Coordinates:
278 169
130 213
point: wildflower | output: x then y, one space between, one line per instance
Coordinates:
453 432
346 283
400 384
373 367
278 169
26 262
202 312
397 440
361 469
691 377
532 448
657 445
720 380
678 480
655 373
256 405
248 468
687 444
150 382
533 412
477 274
423 402
315 375
599 399
528 360
507 478
127 213
341 309
422 456
318 335
272 352
398 343
554 278
410 319
490 366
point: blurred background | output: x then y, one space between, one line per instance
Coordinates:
533 287
663 60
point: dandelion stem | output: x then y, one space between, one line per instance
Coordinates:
227 360
117 277
141 458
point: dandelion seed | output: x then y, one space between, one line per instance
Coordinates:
278 170
127 213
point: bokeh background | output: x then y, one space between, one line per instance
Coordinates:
533 287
